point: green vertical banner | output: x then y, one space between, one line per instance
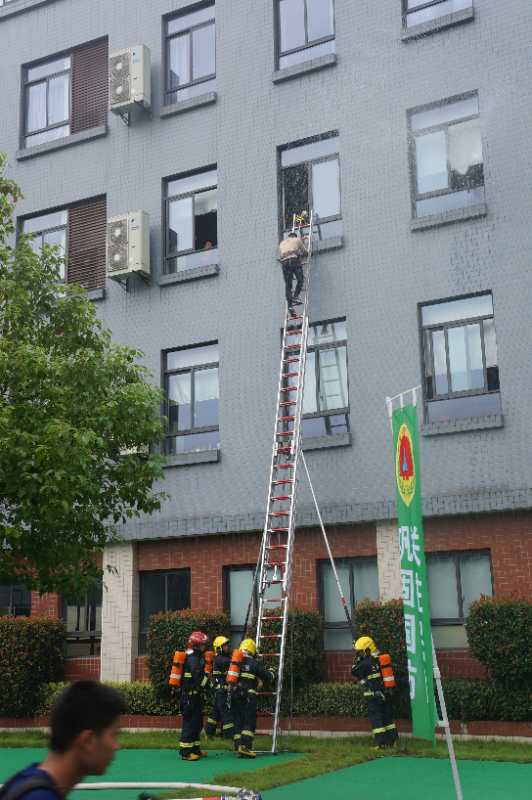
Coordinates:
414 572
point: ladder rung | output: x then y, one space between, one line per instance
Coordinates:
278 530
266 694
270 655
281 451
277 547
270 636
279 513
290 465
285 433
287 403
289 389
265 617
290 375
279 497
287 418
274 583
283 482
296 346
291 359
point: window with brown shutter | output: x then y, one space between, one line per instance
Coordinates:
66 93
86 243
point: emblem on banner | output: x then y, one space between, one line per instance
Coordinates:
405 468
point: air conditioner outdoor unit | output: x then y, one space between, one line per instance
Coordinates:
128 245
129 79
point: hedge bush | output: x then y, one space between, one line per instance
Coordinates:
31 654
499 635
169 632
466 699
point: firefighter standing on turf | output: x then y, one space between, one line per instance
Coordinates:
244 698
188 674
373 671
220 714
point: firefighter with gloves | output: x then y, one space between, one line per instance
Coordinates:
189 676
373 670
245 677
221 715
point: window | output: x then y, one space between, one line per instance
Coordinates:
461 373
191 386
161 591
190 54
238 582
84 624
416 12
455 581
49 229
65 94
310 179
15 601
305 30
359 581
79 232
191 221
326 397
446 156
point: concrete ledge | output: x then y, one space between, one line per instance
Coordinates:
456 215
463 425
313 65
185 459
192 274
96 294
324 442
329 244
186 105
66 141
447 21
21 6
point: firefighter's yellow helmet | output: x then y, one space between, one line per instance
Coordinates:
219 643
249 646
365 643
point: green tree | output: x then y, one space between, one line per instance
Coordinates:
71 402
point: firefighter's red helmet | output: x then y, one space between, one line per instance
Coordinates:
196 639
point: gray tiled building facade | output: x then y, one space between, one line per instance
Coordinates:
422 111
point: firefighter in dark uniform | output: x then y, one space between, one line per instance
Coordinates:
367 671
253 676
195 683
221 715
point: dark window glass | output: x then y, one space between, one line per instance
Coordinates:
192 392
416 12
460 359
15 601
455 581
49 229
47 95
238 582
84 624
310 179
326 397
359 581
190 54
191 221
446 156
161 591
306 30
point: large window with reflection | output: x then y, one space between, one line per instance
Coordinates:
417 12
305 30
326 396
237 587
310 180
15 601
447 162
461 372
49 229
192 398
83 619
161 591
190 53
455 581
360 581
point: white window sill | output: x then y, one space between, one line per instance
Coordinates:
59 144
324 442
187 105
198 457
463 425
192 274
21 6
305 67
434 25
446 217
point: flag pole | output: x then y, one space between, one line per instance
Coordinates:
444 721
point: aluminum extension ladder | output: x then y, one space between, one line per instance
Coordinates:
274 570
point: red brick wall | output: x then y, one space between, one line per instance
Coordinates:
45 605
141 669
82 668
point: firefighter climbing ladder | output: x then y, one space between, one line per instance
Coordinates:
274 568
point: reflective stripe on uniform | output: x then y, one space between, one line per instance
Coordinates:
211 721
228 726
390 727
247 675
197 743
369 694
374 676
237 736
248 733
379 730
252 691
186 744
188 674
